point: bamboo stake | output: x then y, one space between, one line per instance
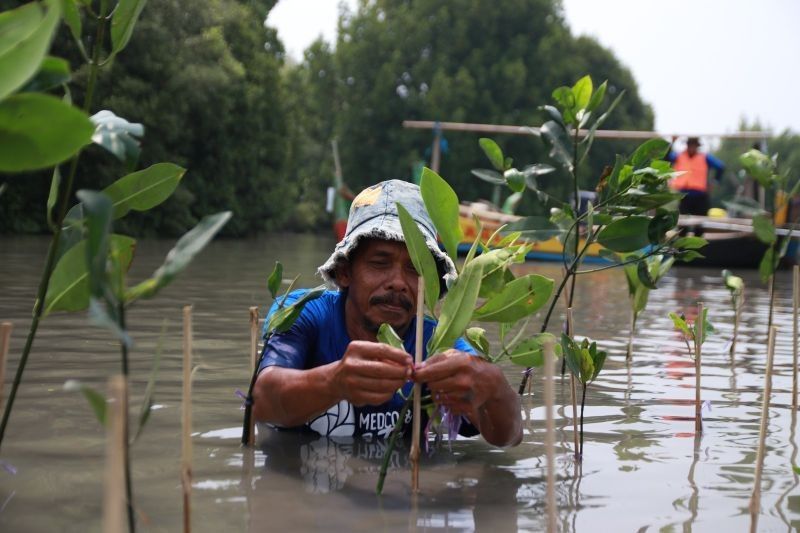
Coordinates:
755 498
186 418
574 394
698 352
414 453
795 306
5 340
114 494
737 313
436 150
253 361
550 435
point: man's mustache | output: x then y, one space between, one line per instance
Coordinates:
392 298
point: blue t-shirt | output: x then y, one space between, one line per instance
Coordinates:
318 337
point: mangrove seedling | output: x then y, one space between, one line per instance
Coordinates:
735 286
585 362
690 330
634 208
642 277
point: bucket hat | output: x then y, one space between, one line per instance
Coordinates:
373 214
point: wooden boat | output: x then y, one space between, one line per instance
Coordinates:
491 219
731 242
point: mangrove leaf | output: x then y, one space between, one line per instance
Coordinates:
518 299
145 189
625 234
441 203
457 308
493 152
421 256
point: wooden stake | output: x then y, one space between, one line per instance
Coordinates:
574 394
550 434
114 507
414 453
436 150
253 362
755 498
698 352
737 313
5 340
186 418
795 334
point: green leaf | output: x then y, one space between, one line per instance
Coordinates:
515 180
105 316
387 335
274 280
25 37
768 264
681 325
180 256
535 228
72 18
283 319
518 299
660 224
528 353
597 97
648 150
421 256
690 243
598 360
122 23
441 202
760 166
117 135
457 308
555 137
493 152
554 113
69 285
145 189
38 131
53 73
97 215
625 234
477 339
566 100
492 176
734 284
96 400
643 274
494 265
764 230
582 91
52 197
689 255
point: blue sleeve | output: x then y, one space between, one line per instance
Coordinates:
291 348
671 156
716 164
464 346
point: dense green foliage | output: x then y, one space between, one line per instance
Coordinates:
212 87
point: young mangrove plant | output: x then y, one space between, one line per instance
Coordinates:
585 362
485 291
279 321
690 330
642 277
765 171
29 78
634 209
735 286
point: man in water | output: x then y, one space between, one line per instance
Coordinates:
328 373
694 180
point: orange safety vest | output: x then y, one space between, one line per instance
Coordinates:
696 173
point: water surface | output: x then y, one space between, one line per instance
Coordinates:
644 467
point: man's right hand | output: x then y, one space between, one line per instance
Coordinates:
370 373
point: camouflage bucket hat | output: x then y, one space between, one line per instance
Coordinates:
373 214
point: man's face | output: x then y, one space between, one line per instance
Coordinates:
382 287
691 148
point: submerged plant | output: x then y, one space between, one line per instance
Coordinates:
634 209
585 362
765 171
642 277
735 286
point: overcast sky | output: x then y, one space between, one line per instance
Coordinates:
701 64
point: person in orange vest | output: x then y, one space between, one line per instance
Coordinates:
694 180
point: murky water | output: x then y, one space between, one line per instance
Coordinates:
644 468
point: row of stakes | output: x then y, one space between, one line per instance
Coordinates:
114 506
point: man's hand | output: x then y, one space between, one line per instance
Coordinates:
370 373
468 385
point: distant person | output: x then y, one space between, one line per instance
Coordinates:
694 180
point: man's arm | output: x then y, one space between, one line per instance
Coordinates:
717 165
468 385
369 373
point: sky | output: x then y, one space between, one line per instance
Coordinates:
701 64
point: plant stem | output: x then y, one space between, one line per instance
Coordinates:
126 424
49 264
629 353
771 300
392 443
583 404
